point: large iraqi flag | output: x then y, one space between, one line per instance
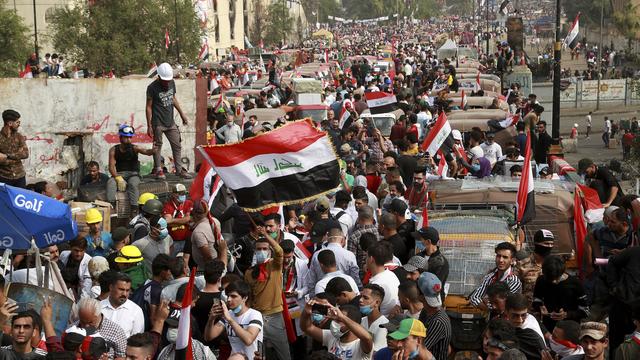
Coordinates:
525 201
380 102
290 164
572 37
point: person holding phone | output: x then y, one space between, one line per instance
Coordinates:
346 339
242 324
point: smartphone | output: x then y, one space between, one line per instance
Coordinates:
260 350
319 309
216 302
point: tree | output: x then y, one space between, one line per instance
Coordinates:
328 7
627 22
257 31
14 42
126 35
280 22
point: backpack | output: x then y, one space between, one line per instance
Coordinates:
138 297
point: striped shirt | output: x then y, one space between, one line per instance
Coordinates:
438 333
509 277
353 245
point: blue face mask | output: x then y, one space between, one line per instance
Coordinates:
365 310
236 310
182 198
317 318
261 256
414 353
475 167
163 234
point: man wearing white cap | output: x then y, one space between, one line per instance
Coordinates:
161 99
434 317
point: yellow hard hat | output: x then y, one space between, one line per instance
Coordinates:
129 254
146 196
93 216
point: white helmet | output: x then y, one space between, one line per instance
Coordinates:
165 72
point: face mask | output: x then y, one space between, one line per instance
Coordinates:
317 318
365 310
274 235
172 335
335 330
236 310
261 256
163 234
182 198
475 167
414 353
542 250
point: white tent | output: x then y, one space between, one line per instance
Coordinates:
447 50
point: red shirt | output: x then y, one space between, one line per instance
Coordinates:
178 211
373 182
398 131
627 139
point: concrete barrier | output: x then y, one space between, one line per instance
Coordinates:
72 121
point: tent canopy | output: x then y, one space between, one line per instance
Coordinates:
324 33
448 50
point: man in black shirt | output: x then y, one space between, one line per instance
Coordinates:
437 264
542 143
211 292
404 227
603 181
161 99
388 229
22 326
94 176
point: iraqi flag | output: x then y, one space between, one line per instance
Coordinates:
510 120
166 39
525 201
572 37
288 165
326 56
477 86
593 208
437 135
345 115
423 221
503 7
184 350
443 167
204 52
26 74
580 225
381 102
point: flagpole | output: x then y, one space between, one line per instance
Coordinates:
177 35
600 54
557 54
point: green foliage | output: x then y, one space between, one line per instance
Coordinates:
357 9
590 10
126 35
327 7
462 7
15 45
280 22
627 22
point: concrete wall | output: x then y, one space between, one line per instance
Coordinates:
53 110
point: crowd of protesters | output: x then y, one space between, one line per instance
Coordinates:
338 277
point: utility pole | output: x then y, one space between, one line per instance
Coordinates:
35 31
487 24
557 54
600 53
177 40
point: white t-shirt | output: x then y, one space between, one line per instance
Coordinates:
492 152
389 282
343 351
322 284
476 153
345 220
379 334
251 318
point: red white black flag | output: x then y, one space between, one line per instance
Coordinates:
572 37
525 201
288 165
380 102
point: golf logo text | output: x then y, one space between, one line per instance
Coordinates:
6 242
34 205
55 237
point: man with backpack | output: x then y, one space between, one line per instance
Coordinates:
339 211
148 296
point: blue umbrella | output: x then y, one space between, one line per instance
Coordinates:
26 216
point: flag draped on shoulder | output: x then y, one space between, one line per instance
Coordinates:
381 102
510 120
593 208
437 135
184 350
572 37
525 200
288 165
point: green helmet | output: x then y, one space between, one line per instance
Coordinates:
153 207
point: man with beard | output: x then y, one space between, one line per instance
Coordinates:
13 149
119 309
75 267
161 99
125 167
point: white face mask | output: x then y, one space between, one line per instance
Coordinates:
172 335
335 330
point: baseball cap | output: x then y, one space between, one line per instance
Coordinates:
179 188
594 330
427 233
491 135
543 235
455 133
544 171
322 204
408 327
394 323
119 233
430 286
583 164
321 228
87 341
396 206
416 263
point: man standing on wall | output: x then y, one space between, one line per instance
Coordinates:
13 149
161 99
